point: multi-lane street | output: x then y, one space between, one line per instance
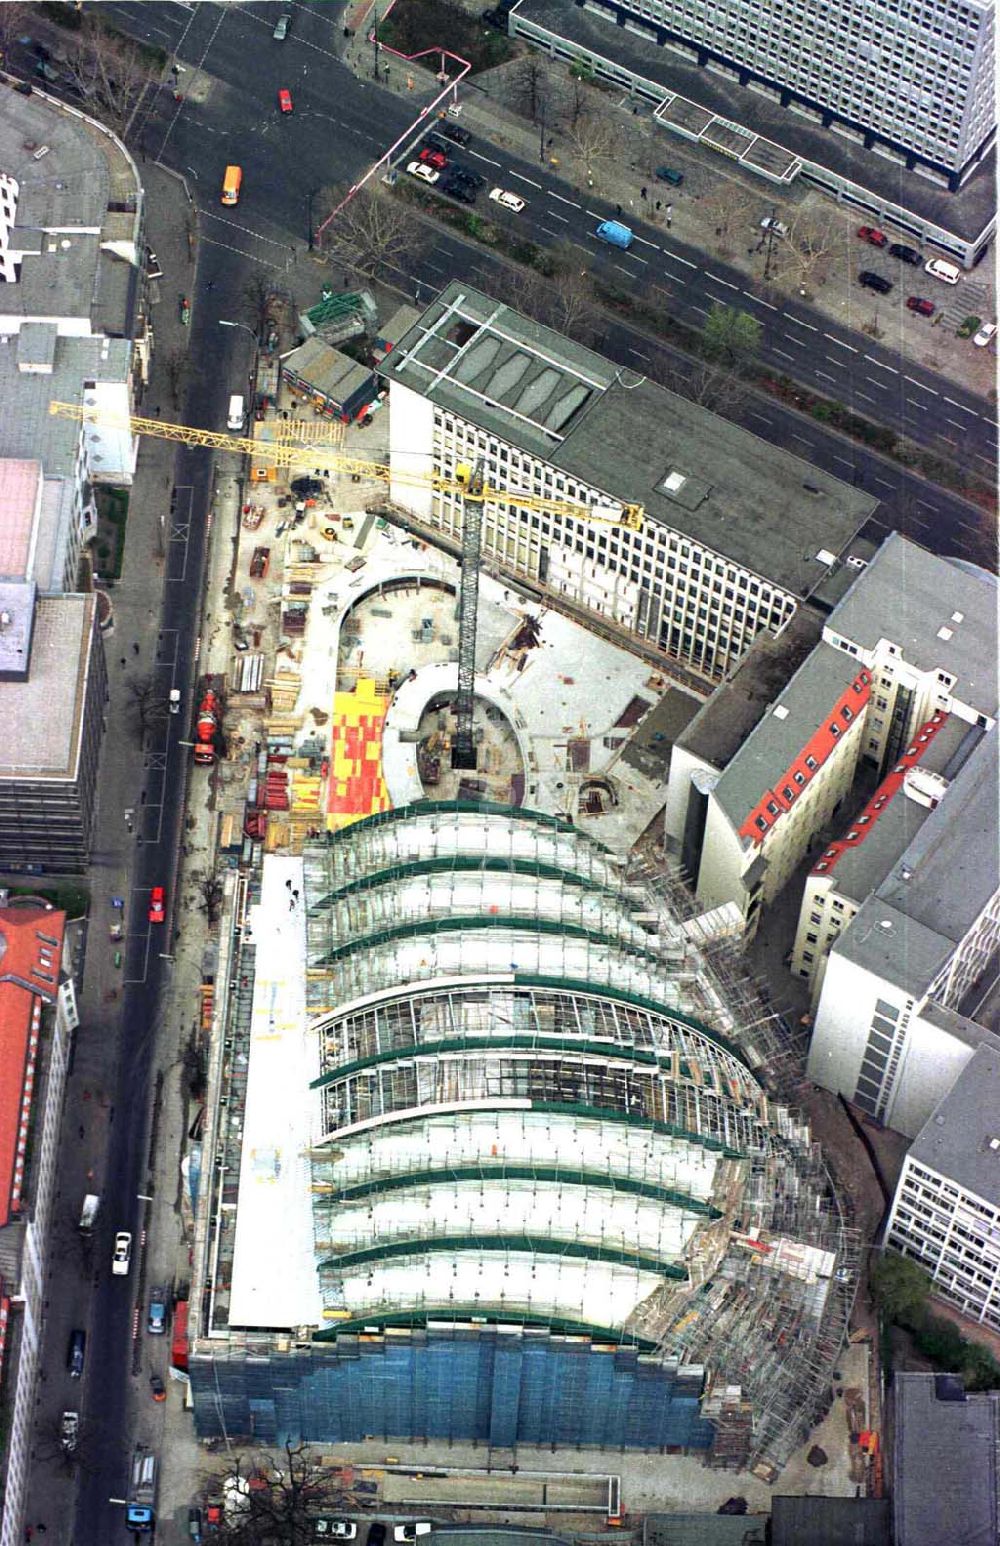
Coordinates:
228 113
341 124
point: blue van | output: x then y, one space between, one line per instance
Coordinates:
614 233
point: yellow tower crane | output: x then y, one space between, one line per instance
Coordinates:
468 483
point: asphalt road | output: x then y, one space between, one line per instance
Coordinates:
341 124
105 1413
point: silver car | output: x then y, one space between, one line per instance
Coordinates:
281 27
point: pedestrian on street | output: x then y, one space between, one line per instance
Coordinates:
659 206
618 209
669 212
123 661
135 649
642 193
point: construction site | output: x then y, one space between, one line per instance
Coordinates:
501 1143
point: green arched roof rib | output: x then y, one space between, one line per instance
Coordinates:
468 864
461 1316
508 1172
530 923
624 996
538 1245
608 1052
585 1112
463 808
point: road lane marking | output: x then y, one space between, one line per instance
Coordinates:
840 343
555 215
824 377
488 159
881 364
961 407
699 309
716 279
921 385
572 204
646 243
757 300
639 355
521 177
799 322
883 386
677 258
784 356
636 258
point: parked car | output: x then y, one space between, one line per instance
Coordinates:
285 100
194 1524
874 282
342 1529
157 1389
157 908
409 1532
156 1322
777 226
459 188
175 700
426 174
669 174
281 27
69 1432
376 1533
871 233
121 1256
940 268
904 253
986 333
431 157
507 200
920 306
45 72
74 1353
213 1518
453 132
495 18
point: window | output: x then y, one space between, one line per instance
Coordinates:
812 764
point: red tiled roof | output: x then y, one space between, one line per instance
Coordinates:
31 945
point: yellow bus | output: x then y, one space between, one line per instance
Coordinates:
231 185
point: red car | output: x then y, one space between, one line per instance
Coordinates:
922 307
285 100
213 1518
871 233
156 907
431 157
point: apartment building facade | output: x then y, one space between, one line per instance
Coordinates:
917 79
710 566
946 1210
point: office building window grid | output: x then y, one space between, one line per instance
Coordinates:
919 72
684 599
955 1236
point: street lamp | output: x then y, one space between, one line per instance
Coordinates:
256 350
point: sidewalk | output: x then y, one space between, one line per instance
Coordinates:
486 111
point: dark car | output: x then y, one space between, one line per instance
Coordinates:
904 253
669 174
376 1533
465 174
24 87
457 135
458 188
194 1523
306 488
74 1353
918 304
874 282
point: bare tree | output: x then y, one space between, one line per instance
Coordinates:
110 70
277 1498
731 209
146 703
375 233
13 19
211 892
594 140
529 85
259 300
804 256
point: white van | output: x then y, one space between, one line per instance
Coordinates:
236 413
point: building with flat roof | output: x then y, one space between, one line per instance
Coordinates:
854 865
735 536
742 808
38 1016
946 1211
53 691
776 101
944 1465
504 1124
890 1033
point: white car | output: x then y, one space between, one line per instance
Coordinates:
777 226
281 27
508 200
427 174
337 1530
985 334
410 1532
940 269
122 1254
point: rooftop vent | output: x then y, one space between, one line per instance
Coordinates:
780 712
673 482
944 633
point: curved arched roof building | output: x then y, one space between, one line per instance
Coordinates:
552 1201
